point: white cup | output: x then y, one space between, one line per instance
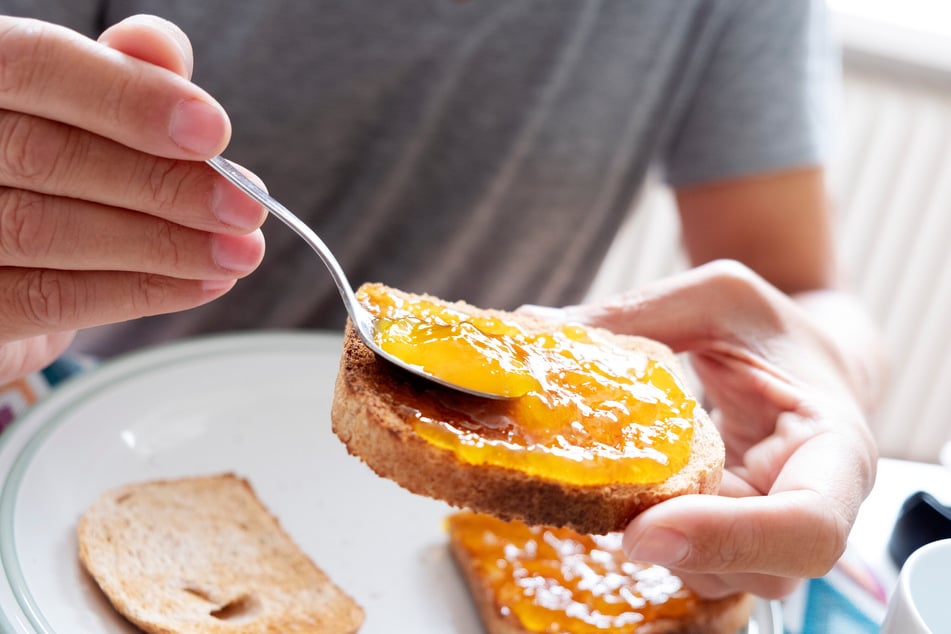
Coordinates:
921 602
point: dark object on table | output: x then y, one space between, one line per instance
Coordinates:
921 520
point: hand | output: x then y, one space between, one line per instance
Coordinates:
106 211
799 456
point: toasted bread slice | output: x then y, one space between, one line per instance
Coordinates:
580 583
369 416
203 555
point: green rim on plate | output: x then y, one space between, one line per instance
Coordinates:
80 390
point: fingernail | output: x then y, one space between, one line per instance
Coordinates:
217 285
235 208
198 127
239 254
663 546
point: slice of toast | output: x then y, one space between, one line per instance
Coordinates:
203 555
531 580
370 415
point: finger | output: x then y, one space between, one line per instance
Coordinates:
735 486
54 73
37 301
838 462
25 356
730 295
748 391
52 158
719 586
59 233
791 534
154 40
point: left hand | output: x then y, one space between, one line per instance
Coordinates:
799 456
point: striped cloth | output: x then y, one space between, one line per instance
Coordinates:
18 396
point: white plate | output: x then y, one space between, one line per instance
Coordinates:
257 405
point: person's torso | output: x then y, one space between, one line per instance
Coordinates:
476 150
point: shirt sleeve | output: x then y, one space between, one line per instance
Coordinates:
83 16
765 99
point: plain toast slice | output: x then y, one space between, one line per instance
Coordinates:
203 555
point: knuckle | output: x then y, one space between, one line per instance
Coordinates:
164 250
34 150
828 543
738 548
113 100
24 236
150 294
22 53
46 299
747 291
164 182
733 274
27 150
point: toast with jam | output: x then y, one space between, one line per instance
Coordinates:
598 428
532 580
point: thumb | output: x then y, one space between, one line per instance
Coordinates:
714 534
153 40
722 300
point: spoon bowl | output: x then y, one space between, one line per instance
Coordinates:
363 321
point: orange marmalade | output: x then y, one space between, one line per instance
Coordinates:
556 580
585 410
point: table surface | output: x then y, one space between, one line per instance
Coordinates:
896 480
867 561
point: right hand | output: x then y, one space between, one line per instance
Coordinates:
800 458
107 212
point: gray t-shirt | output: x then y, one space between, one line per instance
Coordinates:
475 149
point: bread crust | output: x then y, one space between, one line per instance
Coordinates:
712 616
366 418
203 555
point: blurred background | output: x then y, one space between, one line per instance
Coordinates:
890 180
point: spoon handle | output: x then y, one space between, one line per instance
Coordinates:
285 215
362 320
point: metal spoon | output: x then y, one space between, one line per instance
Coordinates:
361 318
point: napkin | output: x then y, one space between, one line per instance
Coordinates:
18 396
850 599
